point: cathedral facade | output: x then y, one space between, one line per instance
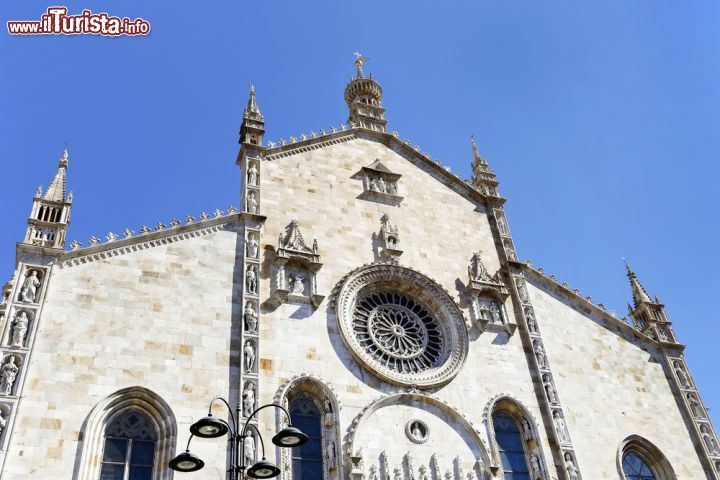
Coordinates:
377 297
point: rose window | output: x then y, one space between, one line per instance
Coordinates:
401 325
398 332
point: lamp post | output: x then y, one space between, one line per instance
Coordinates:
211 427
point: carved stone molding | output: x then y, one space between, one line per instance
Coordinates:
413 319
380 183
300 284
488 295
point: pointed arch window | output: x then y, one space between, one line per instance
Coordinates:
129 449
510 448
635 468
307 461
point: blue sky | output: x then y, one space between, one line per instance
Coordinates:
601 119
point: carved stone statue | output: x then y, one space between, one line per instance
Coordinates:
248 399
252 203
423 473
502 225
561 427
709 440
527 429
330 452
8 372
536 467
250 317
681 375
252 246
19 330
251 277
30 287
540 355
249 356
398 474
571 468
373 473
694 405
495 314
549 390
249 445
297 285
484 310
392 188
448 475
373 185
252 174
532 324
522 291
381 185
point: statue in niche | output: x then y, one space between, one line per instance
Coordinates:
392 188
373 473
681 375
495 314
252 246
502 225
535 464
329 417
30 287
561 427
249 355
527 429
417 431
510 251
252 203
373 185
709 440
694 405
330 451
250 317
297 285
531 323
522 291
3 422
571 468
249 445
398 474
549 390
19 330
252 174
381 185
248 399
8 372
484 310
540 355
251 277
448 475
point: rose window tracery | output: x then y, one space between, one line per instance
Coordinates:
398 331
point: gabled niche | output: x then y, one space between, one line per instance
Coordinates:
380 184
296 269
488 294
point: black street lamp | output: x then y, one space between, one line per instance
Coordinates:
211 427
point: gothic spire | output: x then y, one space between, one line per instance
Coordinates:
56 190
484 177
639 293
253 124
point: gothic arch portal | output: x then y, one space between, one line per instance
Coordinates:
649 453
323 395
140 399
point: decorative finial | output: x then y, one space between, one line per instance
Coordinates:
359 60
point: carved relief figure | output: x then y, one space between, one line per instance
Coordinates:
252 203
540 355
373 473
249 355
249 445
251 277
502 225
495 314
532 324
19 330
381 184
252 174
252 246
571 468
330 451
694 405
8 372
30 287
423 473
709 440
561 427
250 317
549 390
398 473
535 465
248 399
522 291
681 375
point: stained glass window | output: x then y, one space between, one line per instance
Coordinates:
307 461
129 448
635 468
510 448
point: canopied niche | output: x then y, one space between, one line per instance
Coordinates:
414 435
296 269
